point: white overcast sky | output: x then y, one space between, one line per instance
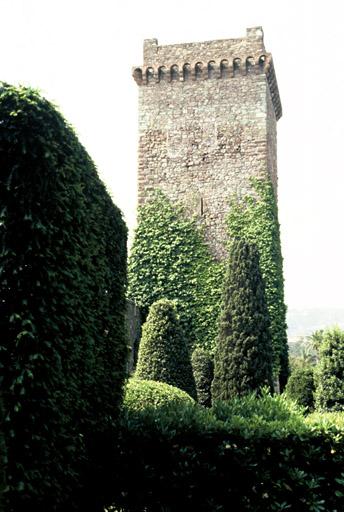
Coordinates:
79 53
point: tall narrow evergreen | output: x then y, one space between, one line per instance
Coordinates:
255 219
164 355
243 357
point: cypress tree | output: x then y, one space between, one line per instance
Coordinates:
163 353
255 219
243 356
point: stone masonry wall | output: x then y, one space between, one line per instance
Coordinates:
207 123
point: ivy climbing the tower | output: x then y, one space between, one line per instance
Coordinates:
170 259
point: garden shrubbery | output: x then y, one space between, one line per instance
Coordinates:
254 454
300 386
63 275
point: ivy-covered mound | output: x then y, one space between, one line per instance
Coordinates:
255 219
170 259
164 352
63 276
254 455
243 356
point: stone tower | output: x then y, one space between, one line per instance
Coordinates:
207 123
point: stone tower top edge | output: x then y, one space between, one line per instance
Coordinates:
240 56
167 55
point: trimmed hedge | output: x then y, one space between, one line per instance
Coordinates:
145 394
63 275
164 352
185 458
203 370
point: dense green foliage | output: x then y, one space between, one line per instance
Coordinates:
63 276
3 459
329 373
256 220
257 410
300 386
145 394
203 370
257 456
164 353
243 356
169 259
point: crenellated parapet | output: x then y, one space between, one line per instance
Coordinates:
210 60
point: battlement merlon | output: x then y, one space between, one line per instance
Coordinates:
222 58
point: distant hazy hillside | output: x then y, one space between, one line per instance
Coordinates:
302 322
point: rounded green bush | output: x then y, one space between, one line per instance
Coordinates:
143 394
300 386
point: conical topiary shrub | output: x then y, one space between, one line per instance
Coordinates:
163 353
243 357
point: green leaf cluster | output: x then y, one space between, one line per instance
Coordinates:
329 373
164 352
170 259
255 219
203 369
62 301
243 356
